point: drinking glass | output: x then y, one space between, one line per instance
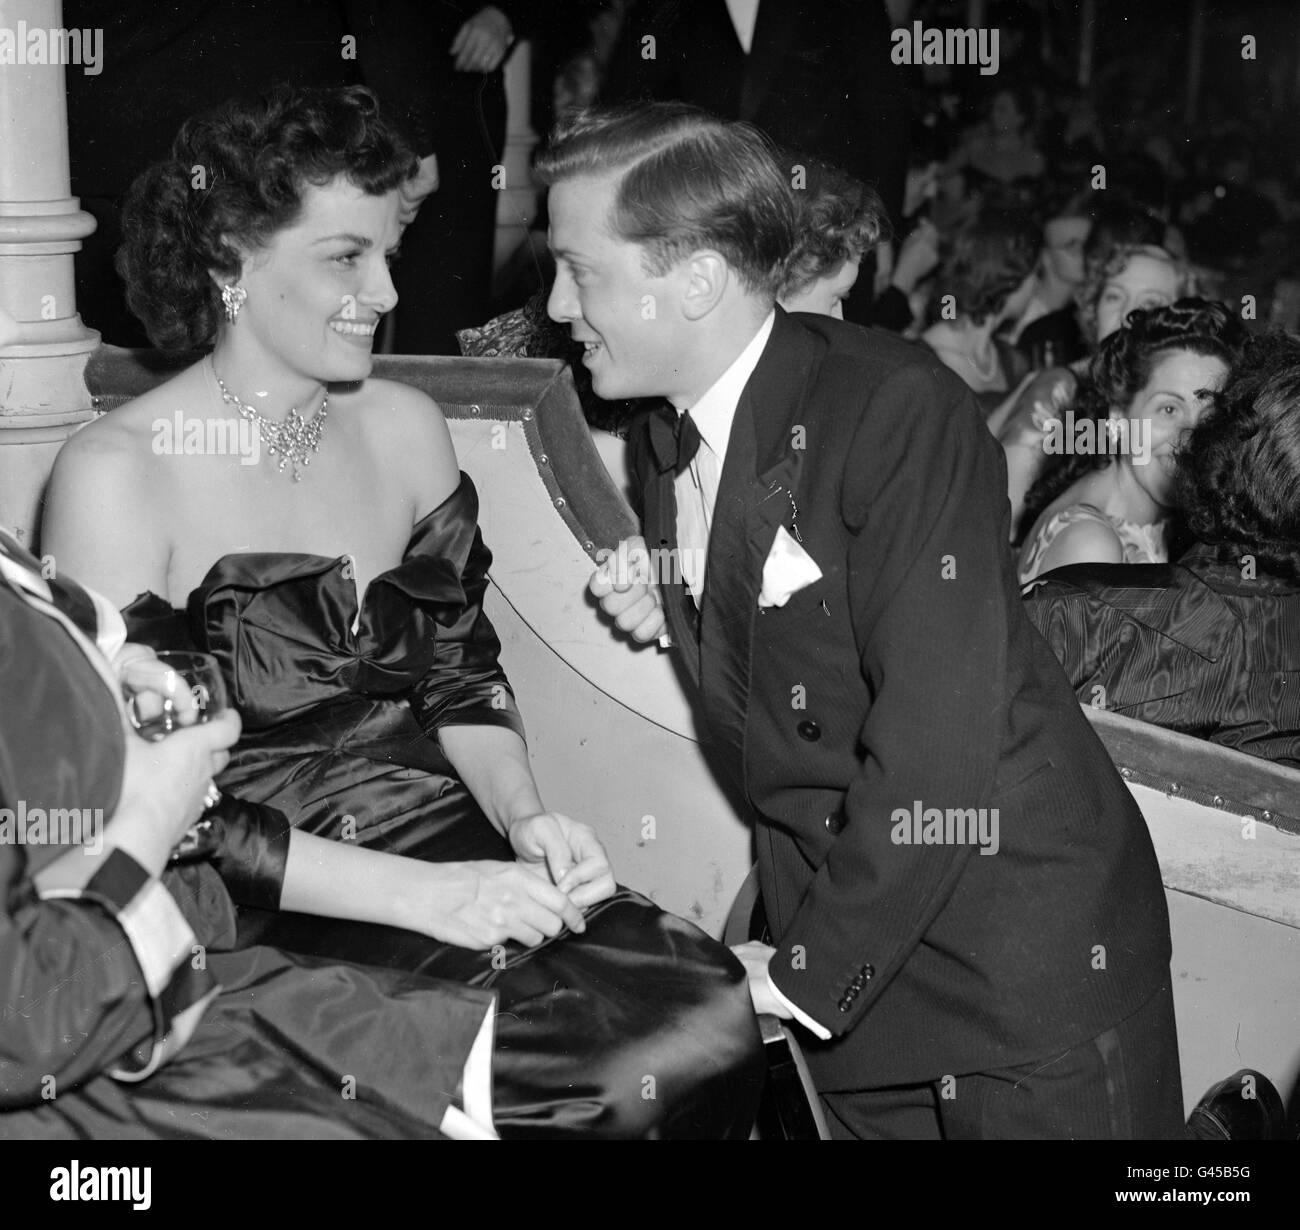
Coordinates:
199 695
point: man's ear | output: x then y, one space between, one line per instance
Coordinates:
707 277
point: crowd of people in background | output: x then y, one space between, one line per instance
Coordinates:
1121 303
1093 278
1011 222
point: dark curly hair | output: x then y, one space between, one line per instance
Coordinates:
839 218
984 263
1121 368
235 177
1239 473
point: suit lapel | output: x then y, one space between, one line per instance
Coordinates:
762 470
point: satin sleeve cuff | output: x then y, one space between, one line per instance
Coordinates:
252 850
163 945
814 1027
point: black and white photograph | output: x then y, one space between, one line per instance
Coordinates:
591 570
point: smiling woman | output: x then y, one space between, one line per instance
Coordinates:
1147 386
344 604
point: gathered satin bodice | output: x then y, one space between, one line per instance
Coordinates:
292 633
341 694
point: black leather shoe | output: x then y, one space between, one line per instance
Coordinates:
1245 1106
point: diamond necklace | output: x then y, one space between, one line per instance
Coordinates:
294 440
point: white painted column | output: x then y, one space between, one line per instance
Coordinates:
43 344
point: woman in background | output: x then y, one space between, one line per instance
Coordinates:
840 219
1209 646
986 278
1119 280
1001 149
1109 489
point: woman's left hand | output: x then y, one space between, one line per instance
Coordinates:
567 853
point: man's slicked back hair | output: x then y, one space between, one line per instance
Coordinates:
689 180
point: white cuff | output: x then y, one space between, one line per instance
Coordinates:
815 1028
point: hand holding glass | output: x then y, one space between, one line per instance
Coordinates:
165 693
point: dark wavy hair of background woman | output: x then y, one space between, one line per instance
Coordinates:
1120 369
1239 474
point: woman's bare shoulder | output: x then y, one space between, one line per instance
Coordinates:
410 437
1086 538
126 433
393 398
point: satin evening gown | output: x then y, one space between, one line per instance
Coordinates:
641 1026
278 1035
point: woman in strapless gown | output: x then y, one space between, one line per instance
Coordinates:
114 1028
380 806
338 726
1109 490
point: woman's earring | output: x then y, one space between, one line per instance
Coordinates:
233 297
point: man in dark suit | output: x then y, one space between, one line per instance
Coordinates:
965 905
815 75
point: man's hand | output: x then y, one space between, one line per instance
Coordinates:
755 957
626 593
164 783
411 192
566 854
482 42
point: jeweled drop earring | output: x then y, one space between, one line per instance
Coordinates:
233 297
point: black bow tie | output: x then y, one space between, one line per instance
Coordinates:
674 438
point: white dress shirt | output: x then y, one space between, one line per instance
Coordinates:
744 16
696 489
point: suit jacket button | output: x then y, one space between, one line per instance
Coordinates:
835 823
809 730
868 972
845 1004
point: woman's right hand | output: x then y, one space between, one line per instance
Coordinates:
164 782
483 903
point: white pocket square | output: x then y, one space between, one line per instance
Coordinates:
787 570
